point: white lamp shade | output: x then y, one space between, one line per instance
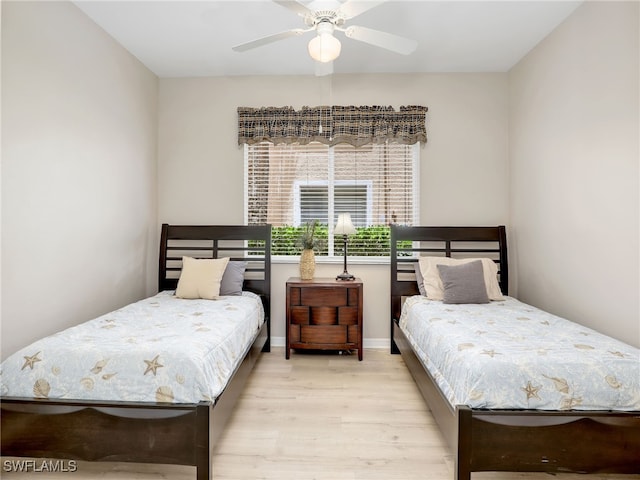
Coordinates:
344 225
324 47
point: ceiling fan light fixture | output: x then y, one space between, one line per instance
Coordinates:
324 47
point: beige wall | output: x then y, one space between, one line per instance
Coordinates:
79 227
463 166
574 155
550 149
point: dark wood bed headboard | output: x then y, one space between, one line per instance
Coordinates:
251 244
409 243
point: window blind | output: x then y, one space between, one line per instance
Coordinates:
288 185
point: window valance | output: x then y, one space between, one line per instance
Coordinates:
332 125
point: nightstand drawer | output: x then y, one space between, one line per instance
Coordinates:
299 315
294 333
348 315
323 296
319 334
324 316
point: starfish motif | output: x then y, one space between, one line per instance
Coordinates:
491 353
531 391
153 365
29 361
569 403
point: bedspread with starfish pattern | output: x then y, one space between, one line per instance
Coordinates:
160 349
510 355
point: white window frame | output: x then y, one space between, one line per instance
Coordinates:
297 196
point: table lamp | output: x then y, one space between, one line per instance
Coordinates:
344 227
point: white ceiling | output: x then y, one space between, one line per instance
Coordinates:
194 38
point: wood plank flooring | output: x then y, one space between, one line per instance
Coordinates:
321 417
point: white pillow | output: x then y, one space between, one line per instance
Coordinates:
433 284
201 277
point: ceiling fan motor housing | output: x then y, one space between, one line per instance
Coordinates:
319 17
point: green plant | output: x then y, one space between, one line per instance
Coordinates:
308 239
373 240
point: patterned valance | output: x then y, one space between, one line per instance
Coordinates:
356 126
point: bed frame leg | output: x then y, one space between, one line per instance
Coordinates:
394 346
463 450
204 442
266 348
204 472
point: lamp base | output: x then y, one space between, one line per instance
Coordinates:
346 276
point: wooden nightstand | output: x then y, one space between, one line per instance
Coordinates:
324 314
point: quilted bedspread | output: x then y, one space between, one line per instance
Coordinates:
510 355
160 349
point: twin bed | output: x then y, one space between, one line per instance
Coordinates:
512 388
157 380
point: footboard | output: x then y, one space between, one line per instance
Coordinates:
548 441
94 431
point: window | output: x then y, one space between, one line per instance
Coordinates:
289 185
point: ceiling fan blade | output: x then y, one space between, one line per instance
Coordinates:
268 39
353 8
392 42
324 68
294 6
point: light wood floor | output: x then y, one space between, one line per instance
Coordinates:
321 417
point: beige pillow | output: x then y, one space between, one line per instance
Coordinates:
201 277
433 284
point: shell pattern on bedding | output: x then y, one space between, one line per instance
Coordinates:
160 349
508 354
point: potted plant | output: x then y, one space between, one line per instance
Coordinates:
308 242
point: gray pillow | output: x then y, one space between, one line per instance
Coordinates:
463 283
232 279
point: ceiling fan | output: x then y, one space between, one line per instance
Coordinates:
327 17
